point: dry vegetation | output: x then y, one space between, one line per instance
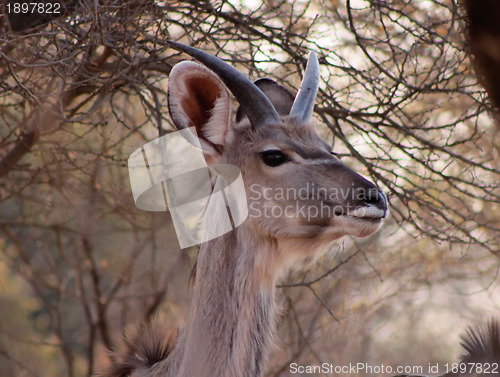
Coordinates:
398 100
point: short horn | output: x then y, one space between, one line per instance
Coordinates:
254 102
303 105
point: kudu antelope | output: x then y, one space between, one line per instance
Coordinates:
273 142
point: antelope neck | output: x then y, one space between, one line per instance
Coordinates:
231 320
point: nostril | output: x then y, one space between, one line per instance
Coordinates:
376 197
372 197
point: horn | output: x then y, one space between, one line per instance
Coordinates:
303 105
254 102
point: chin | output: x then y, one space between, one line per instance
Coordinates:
323 231
352 226
361 227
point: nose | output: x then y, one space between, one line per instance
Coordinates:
380 201
373 196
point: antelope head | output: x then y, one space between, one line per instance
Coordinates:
298 193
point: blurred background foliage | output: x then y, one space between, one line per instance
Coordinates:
399 102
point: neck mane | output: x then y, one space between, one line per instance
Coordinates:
232 317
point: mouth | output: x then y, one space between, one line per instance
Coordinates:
366 213
369 213
369 220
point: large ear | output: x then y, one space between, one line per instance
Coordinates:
197 98
280 97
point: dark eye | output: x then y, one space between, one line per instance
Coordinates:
274 158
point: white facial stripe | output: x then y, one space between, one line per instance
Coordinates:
301 160
270 147
318 161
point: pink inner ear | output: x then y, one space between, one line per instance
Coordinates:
197 98
199 104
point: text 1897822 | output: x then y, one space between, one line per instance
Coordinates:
33 7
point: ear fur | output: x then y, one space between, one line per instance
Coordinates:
198 98
280 97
